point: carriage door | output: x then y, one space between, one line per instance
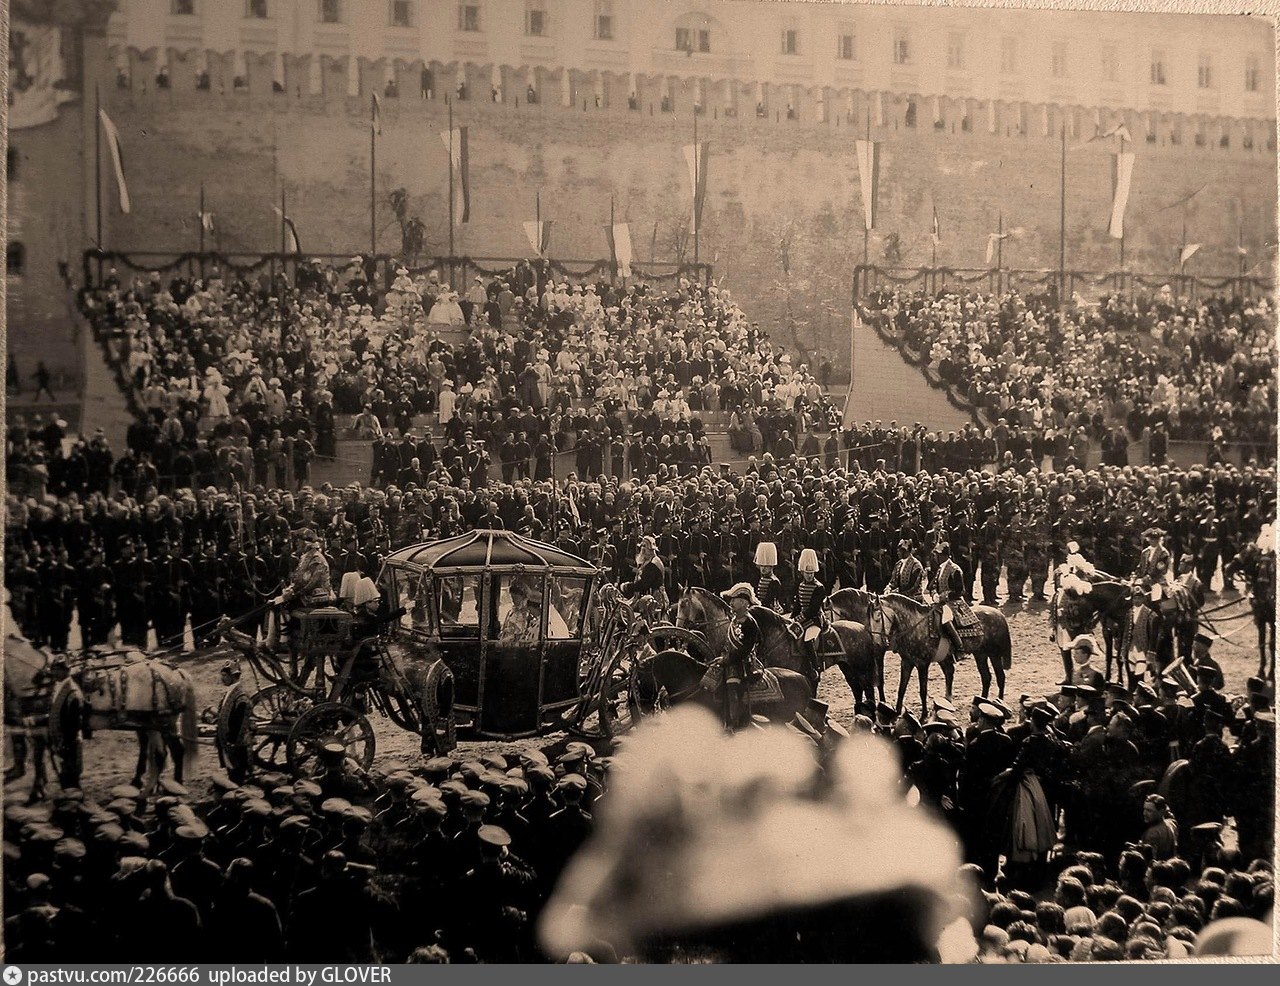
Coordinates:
512 656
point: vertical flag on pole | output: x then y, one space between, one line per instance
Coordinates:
377 114
461 165
696 157
290 230
539 233
1187 253
1121 179
619 237
936 233
868 152
206 221
117 158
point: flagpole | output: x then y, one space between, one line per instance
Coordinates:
1118 160
1062 219
284 249
1240 239
200 220
999 251
449 104
373 178
866 231
97 158
696 163
537 222
613 265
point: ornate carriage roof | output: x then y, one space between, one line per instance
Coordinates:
487 549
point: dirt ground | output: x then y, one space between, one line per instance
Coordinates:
1037 667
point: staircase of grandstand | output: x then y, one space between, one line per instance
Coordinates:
885 387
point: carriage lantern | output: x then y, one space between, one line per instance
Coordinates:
506 615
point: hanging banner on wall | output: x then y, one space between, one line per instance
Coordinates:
619 237
35 69
1121 179
696 155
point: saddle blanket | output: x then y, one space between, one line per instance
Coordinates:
964 619
765 689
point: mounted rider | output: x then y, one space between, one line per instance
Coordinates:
738 666
651 579
948 587
769 587
808 603
908 574
310 584
1155 565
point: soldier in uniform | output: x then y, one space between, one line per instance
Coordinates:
1015 556
131 579
1155 564
68 725
739 665
908 573
875 551
989 553
948 587
169 595
95 603
769 586
651 576
847 544
988 754
807 604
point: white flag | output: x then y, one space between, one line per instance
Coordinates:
1121 180
1188 252
117 157
622 248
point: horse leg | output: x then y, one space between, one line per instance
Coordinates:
984 671
19 743
141 766
177 752
880 673
1066 664
997 665
904 679
39 776
948 676
923 672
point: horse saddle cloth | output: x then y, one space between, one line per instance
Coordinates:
965 621
764 688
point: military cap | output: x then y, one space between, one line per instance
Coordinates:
220 781
333 751
334 806
1117 689
295 822
1042 715
532 757
135 841
887 711
68 848
990 710
108 832
494 835
453 786
358 814
475 799
307 789
272 779
193 832
437 767
576 781
494 761
944 704
1087 691
124 791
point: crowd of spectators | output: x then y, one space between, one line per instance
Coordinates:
1203 370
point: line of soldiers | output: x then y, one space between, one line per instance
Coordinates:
166 561
445 861
1097 752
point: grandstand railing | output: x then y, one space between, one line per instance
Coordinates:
192 264
872 277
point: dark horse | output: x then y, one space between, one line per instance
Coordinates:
1079 605
1258 571
855 605
903 625
671 677
704 611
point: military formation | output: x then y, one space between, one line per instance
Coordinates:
448 861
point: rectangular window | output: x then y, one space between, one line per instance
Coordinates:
1110 63
1008 55
330 11
535 21
1058 60
604 20
1251 73
845 49
182 8
955 51
684 39
1157 68
256 9
791 42
468 17
401 13
1204 71
704 40
901 47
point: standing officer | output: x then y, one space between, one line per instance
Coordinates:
769 586
131 579
875 551
68 724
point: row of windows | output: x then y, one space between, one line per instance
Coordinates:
690 39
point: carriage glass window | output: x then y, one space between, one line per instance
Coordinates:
458 604
565 609
516 620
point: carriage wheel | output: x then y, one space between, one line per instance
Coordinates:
327 723
273 712
616 708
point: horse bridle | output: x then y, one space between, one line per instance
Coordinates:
877 608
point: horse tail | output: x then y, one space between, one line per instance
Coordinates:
1003 644
188 728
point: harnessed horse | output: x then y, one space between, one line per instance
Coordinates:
855 605
163 720
1079 605
671 677
704 611
901 624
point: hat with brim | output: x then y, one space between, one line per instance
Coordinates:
744 797
742 590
